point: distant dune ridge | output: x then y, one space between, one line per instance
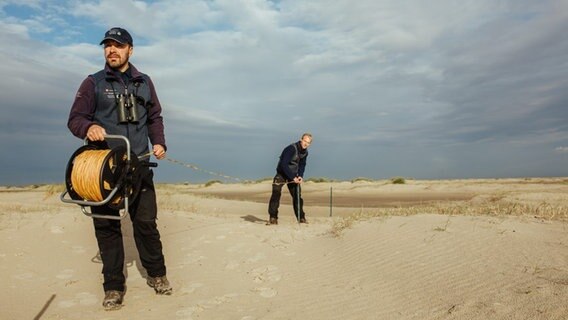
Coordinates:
422 249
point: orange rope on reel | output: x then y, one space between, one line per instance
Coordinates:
97 176
86 174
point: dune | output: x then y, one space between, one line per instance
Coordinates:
386 252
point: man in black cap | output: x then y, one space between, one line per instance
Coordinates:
94 114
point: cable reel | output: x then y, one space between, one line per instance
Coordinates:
98 176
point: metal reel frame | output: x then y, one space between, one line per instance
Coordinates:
120 188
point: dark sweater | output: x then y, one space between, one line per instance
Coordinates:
292 161
82 114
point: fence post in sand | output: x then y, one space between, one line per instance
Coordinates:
330 201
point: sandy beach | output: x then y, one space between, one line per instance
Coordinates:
447 249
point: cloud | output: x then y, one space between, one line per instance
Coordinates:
442 84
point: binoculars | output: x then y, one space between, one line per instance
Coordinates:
127 111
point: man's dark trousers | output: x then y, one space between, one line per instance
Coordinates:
277 184
143 214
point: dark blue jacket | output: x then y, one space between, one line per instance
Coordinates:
292 161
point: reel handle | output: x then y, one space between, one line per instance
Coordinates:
150 164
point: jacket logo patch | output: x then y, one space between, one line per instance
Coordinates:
109 93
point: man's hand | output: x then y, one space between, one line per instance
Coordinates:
159 151
298 180
96 133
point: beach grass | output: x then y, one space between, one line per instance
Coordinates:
543 211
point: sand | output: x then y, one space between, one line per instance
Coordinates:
360 263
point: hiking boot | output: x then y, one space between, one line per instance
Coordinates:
303 220
113 300
160 284
272 221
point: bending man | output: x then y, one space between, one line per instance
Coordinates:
290 172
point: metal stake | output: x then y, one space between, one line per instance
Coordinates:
298 190
330 201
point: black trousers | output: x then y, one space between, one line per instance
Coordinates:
277 184
143 214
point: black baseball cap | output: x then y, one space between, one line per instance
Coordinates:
119 35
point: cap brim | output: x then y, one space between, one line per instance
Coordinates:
113 39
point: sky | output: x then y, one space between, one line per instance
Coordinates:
437 89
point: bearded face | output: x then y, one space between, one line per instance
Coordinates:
117 54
